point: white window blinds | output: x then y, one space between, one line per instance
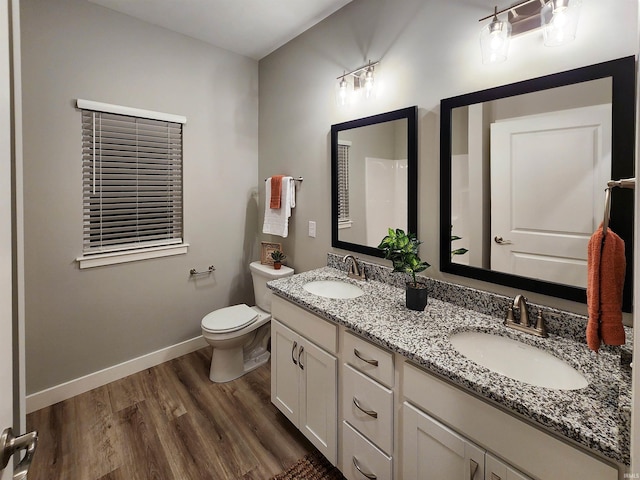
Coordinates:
132 182
343 182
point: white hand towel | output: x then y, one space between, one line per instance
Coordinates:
276 220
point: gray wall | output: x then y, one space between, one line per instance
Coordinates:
78 322
429 50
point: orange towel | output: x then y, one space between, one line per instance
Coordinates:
605 278
276 191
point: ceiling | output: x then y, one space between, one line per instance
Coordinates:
253 28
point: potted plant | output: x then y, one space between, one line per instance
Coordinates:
402 250
277 256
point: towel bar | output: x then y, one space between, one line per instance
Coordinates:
622 183
193 271
299 179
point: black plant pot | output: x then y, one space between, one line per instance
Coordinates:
416 296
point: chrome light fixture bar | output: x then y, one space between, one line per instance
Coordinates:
356 83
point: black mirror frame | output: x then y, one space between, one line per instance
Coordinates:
411 115
622 72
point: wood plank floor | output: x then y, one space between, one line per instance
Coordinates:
167 423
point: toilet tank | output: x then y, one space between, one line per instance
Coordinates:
261 274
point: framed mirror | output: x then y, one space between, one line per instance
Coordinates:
374 181
524 168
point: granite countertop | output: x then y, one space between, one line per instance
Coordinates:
595 417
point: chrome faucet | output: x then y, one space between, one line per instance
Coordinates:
354 271
522 324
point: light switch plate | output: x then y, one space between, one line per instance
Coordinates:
312 228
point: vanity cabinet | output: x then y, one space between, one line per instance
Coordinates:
375 414
367 404
304 374
528 449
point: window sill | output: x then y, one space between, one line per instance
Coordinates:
112 258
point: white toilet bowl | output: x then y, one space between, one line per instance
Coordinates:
240 334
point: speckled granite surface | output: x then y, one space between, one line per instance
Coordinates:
596 417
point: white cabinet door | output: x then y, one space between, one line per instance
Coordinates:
318 398
498 470
284 371
304 387
432 451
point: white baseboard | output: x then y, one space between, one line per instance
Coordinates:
69 389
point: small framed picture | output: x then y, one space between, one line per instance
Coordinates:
267 248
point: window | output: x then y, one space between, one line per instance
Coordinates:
132 183
343 184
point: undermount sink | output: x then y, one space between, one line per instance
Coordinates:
517 360
333 289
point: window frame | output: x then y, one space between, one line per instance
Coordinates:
344 216
124 253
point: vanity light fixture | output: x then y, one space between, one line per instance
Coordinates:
356 83
558 19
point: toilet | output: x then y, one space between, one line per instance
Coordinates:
240 334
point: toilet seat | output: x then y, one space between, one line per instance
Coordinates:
229 319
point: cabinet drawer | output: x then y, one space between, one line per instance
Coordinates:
371 397
369 358
358 450
320 331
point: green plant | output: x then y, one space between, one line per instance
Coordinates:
278 256
402 250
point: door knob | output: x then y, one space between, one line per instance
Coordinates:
9 444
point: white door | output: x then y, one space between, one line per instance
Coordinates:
431 451
548 175
6 308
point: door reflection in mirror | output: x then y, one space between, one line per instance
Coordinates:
548 156
523 169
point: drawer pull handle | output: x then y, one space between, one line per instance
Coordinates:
370 476
473 468
293 349
368 360
371 413
299 357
